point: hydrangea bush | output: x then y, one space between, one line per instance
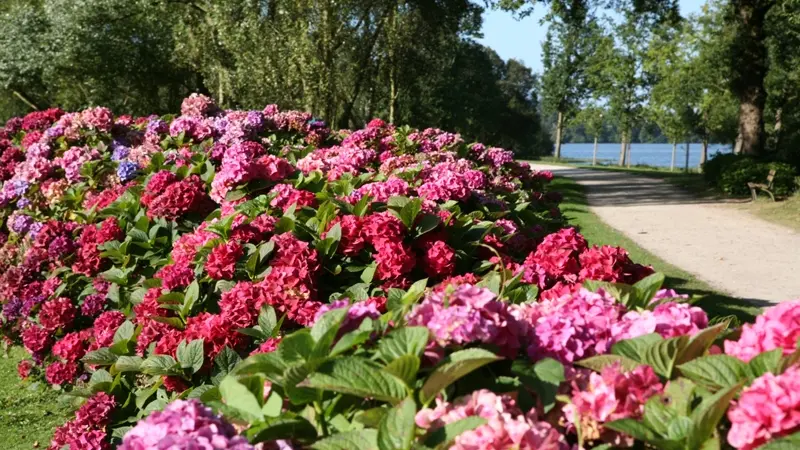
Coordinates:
252 279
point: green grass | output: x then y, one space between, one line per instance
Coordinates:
597 232
28 412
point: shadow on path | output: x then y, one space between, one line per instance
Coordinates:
618 189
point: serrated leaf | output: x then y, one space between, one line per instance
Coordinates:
397 429
442 437
600 362
658 415
101 356
455 366
267 320
403 341
190 298
352 440
405 367
647 287
701 342
634 348
277 428
661 355
765 362
224 363
237 395
296 346
160 365
124 332
128 364
360 377
791 442
427 223
190 356
708 414
715 371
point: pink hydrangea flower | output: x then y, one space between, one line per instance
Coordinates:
777 327
506 426
667 319
468 314
607 396
767 409
183 424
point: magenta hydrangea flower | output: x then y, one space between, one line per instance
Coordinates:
607 396
468 314
184 424
356 313
777 327
572 327
506 426
667 319
767 409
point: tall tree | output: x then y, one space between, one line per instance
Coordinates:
570 41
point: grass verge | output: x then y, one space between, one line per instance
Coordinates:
28 412
576 210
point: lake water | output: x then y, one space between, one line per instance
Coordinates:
658 155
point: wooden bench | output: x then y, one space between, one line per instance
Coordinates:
755 187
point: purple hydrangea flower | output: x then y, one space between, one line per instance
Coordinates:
120 150
60 246
184 424
23 202
30 303
34 229
157 126
93 305
255 120
127 171
54 132
20 223
13 309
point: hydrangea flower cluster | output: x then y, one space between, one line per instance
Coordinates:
506 427
183 424
767 409
777 327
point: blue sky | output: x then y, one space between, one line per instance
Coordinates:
522 39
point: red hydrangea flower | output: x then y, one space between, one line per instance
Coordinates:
36 339
175 276
439 259
239 305
394 260
105 326
166 196
72 346
268 346
352 240
61 372
24 368
221 263
57 314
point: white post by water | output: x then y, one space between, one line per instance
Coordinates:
594 153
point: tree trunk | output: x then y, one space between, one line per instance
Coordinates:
628 162
622 150
778 127
686 167
750 69
559 127
594 152
704 152
674 153
737 145
392 65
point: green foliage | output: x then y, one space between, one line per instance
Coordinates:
731 173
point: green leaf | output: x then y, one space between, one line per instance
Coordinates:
325 330
276 428
661 355
442 437
267 320
634 348
658 415
427 223
353 338
101 356
647 287
352 440
701 342
791 442
397 429
715 371
765 362
273 405
600 362
455 366
128 364
708 414
415 292
633 428
404 367
360 377
410 211
124 332
296 346
190 298
403 341
190 356
160 365
369 273
224 363
236 395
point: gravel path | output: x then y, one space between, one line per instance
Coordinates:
731 250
